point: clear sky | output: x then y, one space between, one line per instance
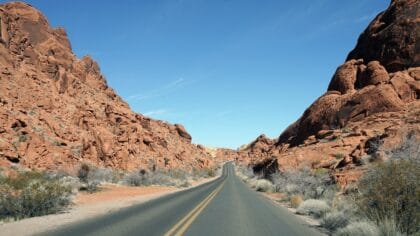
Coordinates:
227 70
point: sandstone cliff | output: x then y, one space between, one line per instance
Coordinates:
375 94
57 110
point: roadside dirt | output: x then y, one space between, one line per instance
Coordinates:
311 222
112 198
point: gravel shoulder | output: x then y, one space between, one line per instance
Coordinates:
112 198
309 221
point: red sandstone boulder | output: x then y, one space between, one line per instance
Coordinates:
392 37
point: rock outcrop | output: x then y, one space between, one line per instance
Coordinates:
392 37
380 75
57 110
374 95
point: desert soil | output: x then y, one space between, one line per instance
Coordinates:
111 198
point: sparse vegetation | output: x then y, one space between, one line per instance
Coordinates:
295 201
23 137
203 172
339 156
335 220
172 177
91 177
83 172
386 201
304 182
245 173
391 191
29 194
313 207
263 185
359 228
259 184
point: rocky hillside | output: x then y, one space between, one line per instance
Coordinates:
374 95
57 111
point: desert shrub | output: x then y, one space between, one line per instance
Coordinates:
66 179
135 178
165 178
210 172
29 194
305 182
313 207
83 172
391 190
263 185
364 160
178 174
206 172
244 172
373 146
158 177
252 182
103 175
240 172
335 220
359 228
339 156
388 227
409 149
92 177
295 201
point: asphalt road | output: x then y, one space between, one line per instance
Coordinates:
225 206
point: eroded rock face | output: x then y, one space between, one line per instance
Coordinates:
392 37
379 76
57 111
374 95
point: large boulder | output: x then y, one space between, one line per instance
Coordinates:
392 37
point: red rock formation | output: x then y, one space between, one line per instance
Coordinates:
57 111
374 95
392 37
363 85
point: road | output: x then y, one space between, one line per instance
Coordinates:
225 206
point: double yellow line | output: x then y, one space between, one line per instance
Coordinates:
184 223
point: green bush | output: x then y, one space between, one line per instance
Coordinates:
391 191
31 194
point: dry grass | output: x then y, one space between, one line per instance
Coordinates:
296 200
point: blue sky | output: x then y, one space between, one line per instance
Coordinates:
227 70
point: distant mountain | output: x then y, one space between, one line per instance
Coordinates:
57 111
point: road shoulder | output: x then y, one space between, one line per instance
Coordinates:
307 220
87 206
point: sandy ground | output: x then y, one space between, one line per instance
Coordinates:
110 199
311 222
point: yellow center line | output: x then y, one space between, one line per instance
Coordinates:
197 213
190 217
